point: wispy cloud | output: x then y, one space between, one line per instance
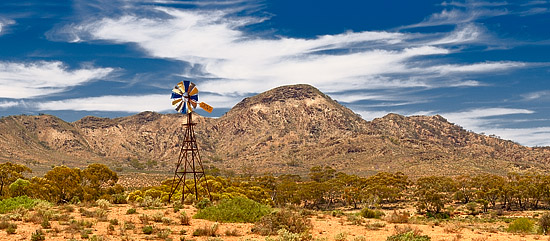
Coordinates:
537 95
130 104
8 104
30 80
236 62
457 16
3 23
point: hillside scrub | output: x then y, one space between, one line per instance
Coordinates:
326 189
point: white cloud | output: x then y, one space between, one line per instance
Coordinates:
8 104
130 104
475 68
238 63
458 16
29 80
4 23
537 95
536 136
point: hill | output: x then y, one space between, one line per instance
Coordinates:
285 130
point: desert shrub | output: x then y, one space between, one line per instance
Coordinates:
12 227
166 220
520 225
103 204
4 224
177 206
96 238
235 210
232 232
203 203
147 229
113 221
131 211
157 217
285 235
46 224
150 202
206 231
408 236
398 217
440 215
184 218
359 238
341 236
38 235
163 234
144 218
375 225
119 198
452 228
10 204
544 223
369 213
283 219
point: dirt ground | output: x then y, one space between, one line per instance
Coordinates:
325 227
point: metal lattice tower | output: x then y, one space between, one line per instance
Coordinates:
185 99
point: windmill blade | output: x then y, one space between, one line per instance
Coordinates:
206 107
186 84
175 102
194 97
176 90
193 103
176 96
181 87
179 107
192 88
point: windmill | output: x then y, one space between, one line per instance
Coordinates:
185 98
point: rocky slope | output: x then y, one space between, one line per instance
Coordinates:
284 130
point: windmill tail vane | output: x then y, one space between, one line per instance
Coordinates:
185 98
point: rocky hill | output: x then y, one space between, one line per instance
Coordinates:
285 130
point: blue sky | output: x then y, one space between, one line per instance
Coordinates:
484 65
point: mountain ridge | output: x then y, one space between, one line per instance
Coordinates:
285 130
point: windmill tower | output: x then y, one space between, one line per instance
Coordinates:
185 99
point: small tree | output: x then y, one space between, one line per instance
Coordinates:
9 172
434 192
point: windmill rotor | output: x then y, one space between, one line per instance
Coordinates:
185 98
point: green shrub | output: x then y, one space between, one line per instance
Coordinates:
408 236
521 225
235 210
544 223
10 204
369 213
203 203
283 219
131 211
38 235
119 198
11 228
147 229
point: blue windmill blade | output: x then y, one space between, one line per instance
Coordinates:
186 85
176 96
